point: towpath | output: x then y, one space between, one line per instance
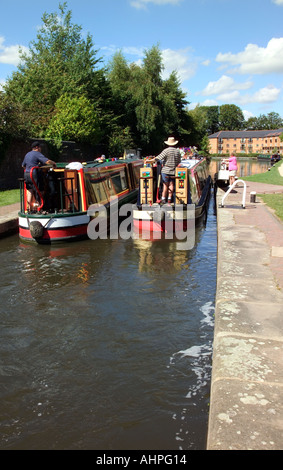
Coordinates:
246 404
9 219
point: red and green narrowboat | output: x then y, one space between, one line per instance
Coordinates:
62 196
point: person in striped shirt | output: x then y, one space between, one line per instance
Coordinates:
171 157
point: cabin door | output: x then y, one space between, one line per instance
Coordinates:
71 197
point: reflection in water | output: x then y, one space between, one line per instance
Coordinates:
151 260
246 166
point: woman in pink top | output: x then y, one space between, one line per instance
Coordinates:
233 167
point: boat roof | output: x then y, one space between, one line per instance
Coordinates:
102 163
190 162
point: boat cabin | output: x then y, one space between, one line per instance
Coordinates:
59 209
74 187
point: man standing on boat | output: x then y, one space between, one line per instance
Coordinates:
32 159
171 157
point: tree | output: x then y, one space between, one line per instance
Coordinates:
75 118
198 116
177 118
264 122
120 140
60 62
13 117
231 118
148 100
205 145
212 119
152 107
251 124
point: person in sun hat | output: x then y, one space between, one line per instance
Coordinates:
171 157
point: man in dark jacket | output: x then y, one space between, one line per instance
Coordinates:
32 159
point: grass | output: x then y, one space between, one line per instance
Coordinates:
275 202
9 197
270 177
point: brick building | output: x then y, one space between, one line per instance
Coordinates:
261 142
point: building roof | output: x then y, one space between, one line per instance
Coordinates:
245 134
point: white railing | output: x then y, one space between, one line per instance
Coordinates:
232 187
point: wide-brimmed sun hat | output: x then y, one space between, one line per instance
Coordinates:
171 141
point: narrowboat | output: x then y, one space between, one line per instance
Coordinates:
63 195
191 197
275 158
265 157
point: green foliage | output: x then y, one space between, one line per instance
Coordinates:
60 62
120 139
206 119
153 108
264 122
75 118
231 117
13 119
204 148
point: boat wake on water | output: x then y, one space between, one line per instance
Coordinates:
194 364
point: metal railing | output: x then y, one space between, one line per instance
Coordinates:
231 188
64 193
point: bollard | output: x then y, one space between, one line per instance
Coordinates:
252 196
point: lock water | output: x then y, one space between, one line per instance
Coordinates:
107 344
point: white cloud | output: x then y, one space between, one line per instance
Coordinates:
247 114
142 4
10 54
2 83
180 61
209 103
223 85
130 50
278 2
255 59
228 91
266 95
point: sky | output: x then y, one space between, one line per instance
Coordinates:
224 51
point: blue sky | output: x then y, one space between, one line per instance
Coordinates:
225 51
